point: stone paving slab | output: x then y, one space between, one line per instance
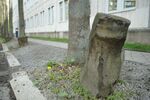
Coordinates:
24 89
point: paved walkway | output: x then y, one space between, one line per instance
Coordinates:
51 43
140 57
37 53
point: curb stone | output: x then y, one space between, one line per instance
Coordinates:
20 83
23 87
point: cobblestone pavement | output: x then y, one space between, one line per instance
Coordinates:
37 55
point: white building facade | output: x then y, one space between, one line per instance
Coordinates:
50 17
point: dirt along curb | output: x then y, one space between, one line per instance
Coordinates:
5 89
16 86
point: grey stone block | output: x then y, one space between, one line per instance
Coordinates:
23 87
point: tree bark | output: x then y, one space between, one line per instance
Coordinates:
79 29
4 27
22 40
10 19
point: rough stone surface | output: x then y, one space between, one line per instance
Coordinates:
79 29
103 62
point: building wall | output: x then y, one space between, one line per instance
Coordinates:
42 24
139 15
35 24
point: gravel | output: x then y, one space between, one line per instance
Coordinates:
135 75
137 80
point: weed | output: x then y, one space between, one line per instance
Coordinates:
121 82
69 61
117 96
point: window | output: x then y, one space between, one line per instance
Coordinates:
66 9
40 18
43 18
120 5
31 22
37 20
27 24
129 3
51 15
112 5
61 11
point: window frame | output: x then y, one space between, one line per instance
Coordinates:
120 7
51 15
66 7
61 11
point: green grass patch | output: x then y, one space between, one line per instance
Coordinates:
137 47
65 40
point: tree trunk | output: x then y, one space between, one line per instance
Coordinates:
3 18
22 40
4 27
79 29
10 19
6 24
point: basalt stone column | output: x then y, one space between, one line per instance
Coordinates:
103 63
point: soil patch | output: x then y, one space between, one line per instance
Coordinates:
62 83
